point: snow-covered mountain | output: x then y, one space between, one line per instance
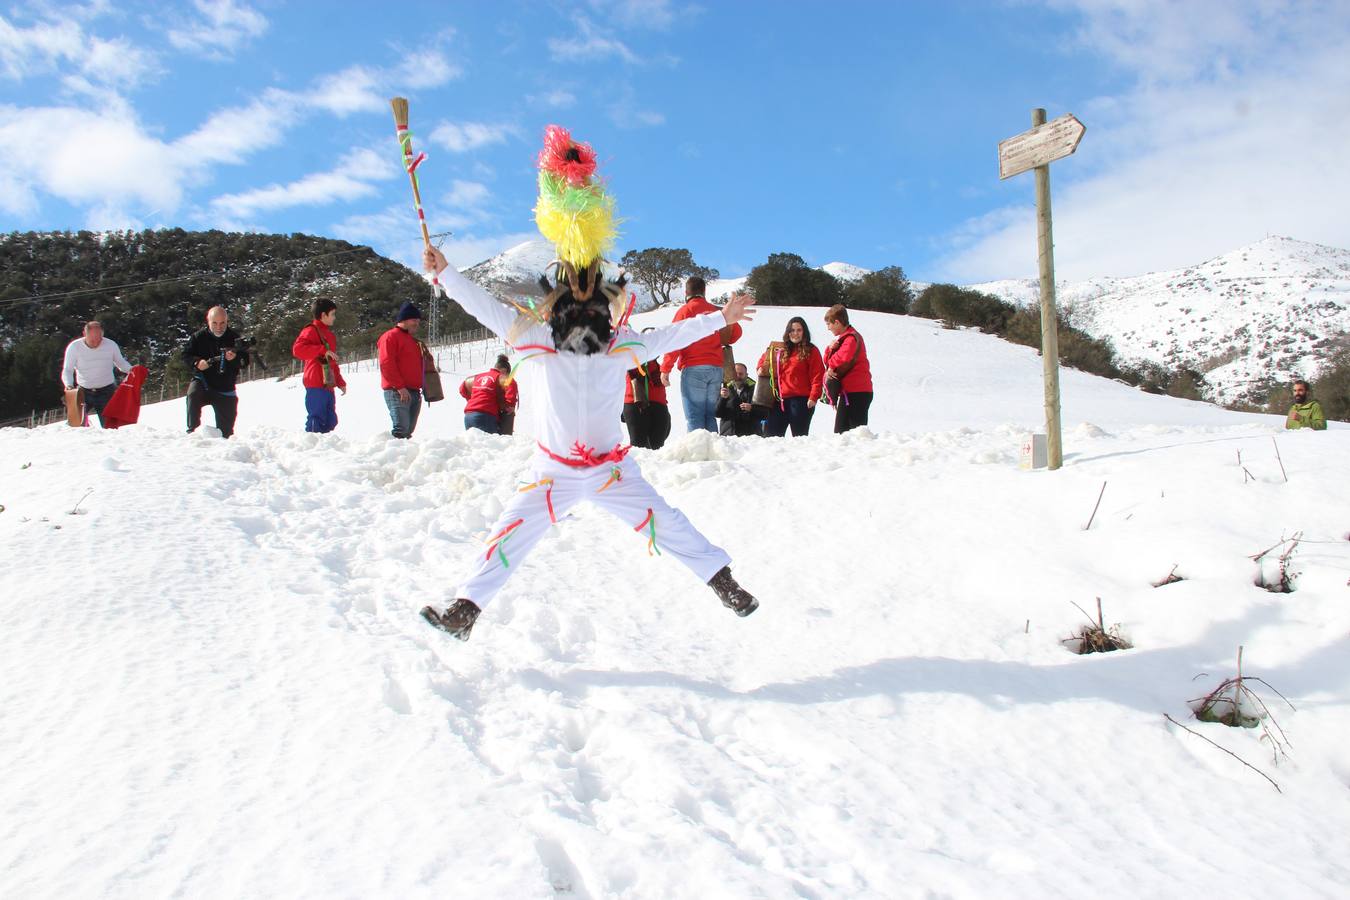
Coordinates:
1258 313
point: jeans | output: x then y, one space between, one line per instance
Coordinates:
403 416
97 398
699 389
321 405
226 406
482 421
792 411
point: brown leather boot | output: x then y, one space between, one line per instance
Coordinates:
733 596
457 620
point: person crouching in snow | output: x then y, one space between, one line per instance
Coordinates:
580 349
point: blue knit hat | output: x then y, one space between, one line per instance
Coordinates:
407 311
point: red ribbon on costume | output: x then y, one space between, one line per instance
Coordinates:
583 457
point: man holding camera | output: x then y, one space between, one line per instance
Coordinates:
215 355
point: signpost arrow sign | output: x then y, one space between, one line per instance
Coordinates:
1040 146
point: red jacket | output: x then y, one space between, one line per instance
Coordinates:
847 346
704 352
400 361
309 346
795 376
124 408
486 394
656 391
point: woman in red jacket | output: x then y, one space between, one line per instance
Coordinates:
796 371
848 377
317 346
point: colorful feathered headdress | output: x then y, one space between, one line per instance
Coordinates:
577 215
574 210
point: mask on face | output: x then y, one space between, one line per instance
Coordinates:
581 309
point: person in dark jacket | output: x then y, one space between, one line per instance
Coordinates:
215 356
735 408
401 371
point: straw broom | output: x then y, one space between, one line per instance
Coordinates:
410 163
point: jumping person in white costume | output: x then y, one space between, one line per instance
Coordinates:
579 341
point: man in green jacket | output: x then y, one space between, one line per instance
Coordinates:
1305 413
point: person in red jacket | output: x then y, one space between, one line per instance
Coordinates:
644 407
848 376
401 371
797 374
316 345
700 363
487 395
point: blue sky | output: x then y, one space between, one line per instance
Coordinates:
863 132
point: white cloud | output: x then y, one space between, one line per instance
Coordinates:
231 134
117 62
351 178
354 89
224 27
658 14
424 69
587 44
36 49
47 47
468 195
1230 132
466 136
554 99
101 158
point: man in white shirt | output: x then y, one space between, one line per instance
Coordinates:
89 364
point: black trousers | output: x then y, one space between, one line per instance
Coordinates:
851 411
647 427
226 407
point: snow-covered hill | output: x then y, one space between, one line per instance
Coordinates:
213 679
1257 314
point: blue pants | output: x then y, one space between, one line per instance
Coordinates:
797 414
403 416
321 405
482 421
699 389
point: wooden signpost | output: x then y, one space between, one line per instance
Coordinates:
1036 149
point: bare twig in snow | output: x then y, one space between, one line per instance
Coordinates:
1225 750
1277 456
1094 508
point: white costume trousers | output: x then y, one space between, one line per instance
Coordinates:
629 497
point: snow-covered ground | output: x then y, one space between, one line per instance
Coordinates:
214 683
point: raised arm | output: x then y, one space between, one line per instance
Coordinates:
496 316
678 335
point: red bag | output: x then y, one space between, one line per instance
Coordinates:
125 406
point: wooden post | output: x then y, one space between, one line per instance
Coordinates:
1049 320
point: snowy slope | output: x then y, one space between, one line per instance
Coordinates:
214 682
1260 312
